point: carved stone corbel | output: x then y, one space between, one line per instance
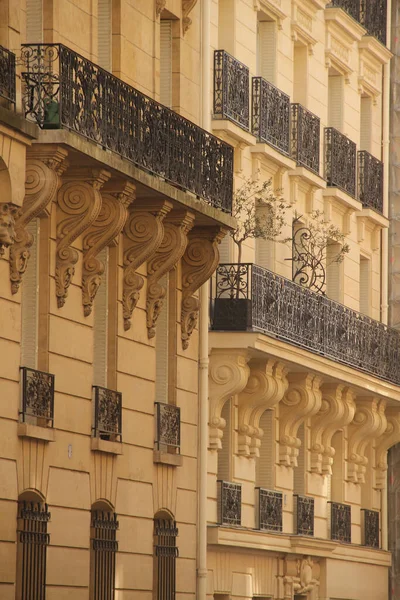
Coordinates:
176 228
228 375
78 206
369 423
198 264
187 7
160 5
302 576
8 215
389 438
302 400
103 232
265 387
41 184
337 410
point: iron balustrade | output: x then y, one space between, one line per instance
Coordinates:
305 137
304 515
352 7
229 503
231 89
33 540
7 76
251 298
370 181
37 397
107 414
62 89
269 510
340 161
370 521
270 115
340 522
168 427
166 553
104 547
371 14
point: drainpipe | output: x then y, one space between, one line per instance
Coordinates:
386 175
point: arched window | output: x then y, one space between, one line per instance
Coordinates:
103 548
165 554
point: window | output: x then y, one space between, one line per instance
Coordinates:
334 273
103 548
104 36
265 249
365 123
227 25
300 74
265 462
299 475
224 455
266 50
165 555
335 101
34 21
166 62
365 288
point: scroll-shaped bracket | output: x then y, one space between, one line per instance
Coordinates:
103 232
160 5
176 228
265 387
369 423
228 375
198 264
389 438
187 7
337 410
8 216
302 400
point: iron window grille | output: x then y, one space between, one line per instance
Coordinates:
166 553
340 161
62 89
305 138
229 503
303 515
33 541
107 414
340 522
270 117
370 181
370 528
168 427
37 397
104 547
231 89
7 76
269 510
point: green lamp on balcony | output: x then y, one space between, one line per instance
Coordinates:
51 118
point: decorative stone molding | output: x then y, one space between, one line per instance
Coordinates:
369 423
176 228
272 8
187 7
302 400
228 376
302 24
265 387
198 264
103 232
302 577
79 204
337 410
8 215
389 438
160 5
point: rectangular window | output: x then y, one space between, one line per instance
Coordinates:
334 273
166 62
104 36
265 249
365 286
30 301
224 455
227 25
34 21
266 50
300 74
103 549
335 101
365 123
33 540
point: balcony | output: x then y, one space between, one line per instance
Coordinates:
305 138
370 181
371 14
7 77
64 90
269 510
168 428
370 531
340 522
303 515
251 298
231 89
229 503
271 115
107 414
37 398
340 161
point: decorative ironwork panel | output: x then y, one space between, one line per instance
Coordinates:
229 503
107 414
305 137
352 7
340 161
307 268
340 522
33 540
166 553
371 528
104 546
7 75
271 115
231 89
373 15
370 181
168 426
304 515
37 397
269 510
64 89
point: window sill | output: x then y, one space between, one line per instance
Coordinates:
100 445
36 432
165 458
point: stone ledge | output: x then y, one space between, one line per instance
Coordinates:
232 133
165 458
100 445
17 121
36 432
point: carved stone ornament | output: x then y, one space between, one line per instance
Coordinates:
389 438
103 232
302 577
8 215
79 204
143 234
187 7
198 264
176 228
160 5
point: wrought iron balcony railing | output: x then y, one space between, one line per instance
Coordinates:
7 76
168 429
372 15
251 298
340 522
269 510
370 181
340 161
229 503
64 89
231 89
305 138
270 117
303 515
107 414
370 522
37 397
352 7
